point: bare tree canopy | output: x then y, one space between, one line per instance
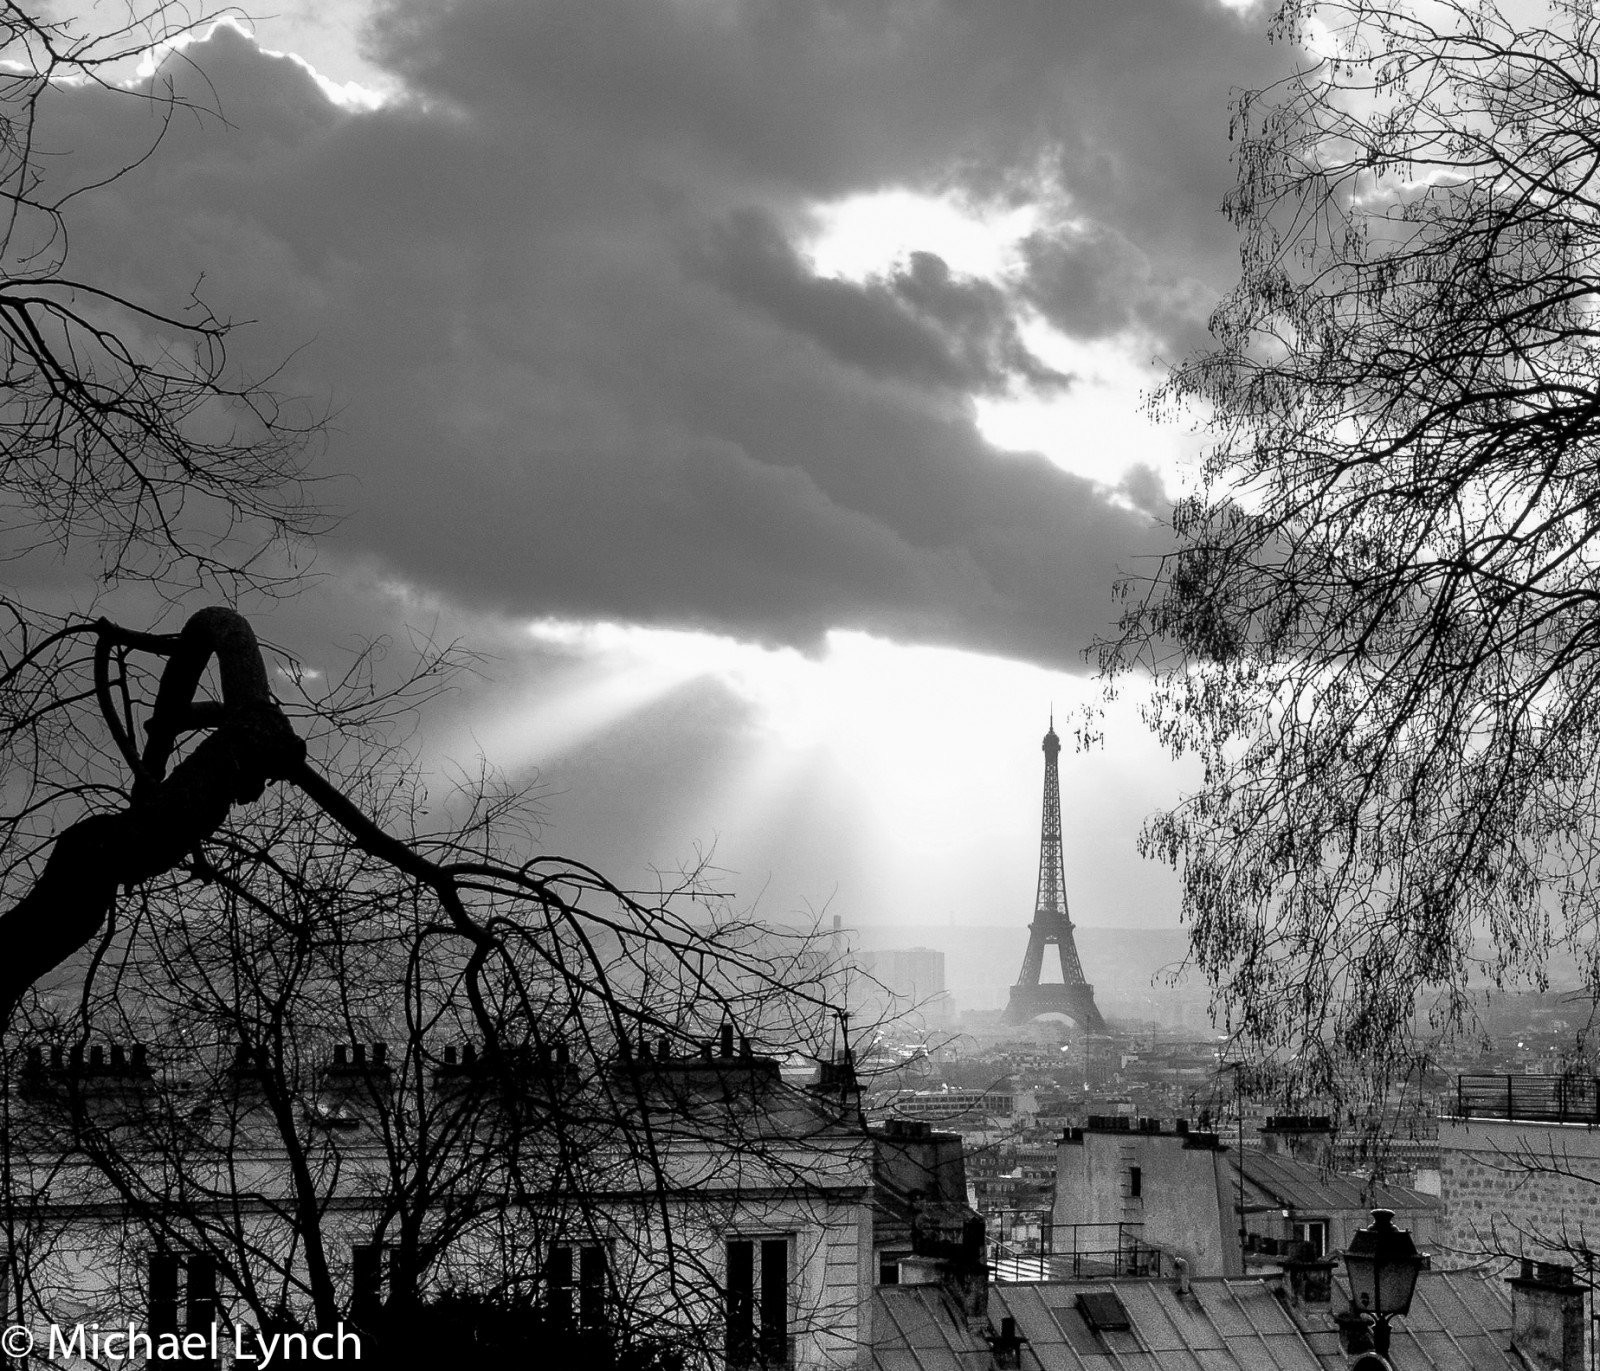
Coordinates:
234 865
122 422
1378 633
130 450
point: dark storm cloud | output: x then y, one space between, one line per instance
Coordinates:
579 365
1122 104
1093 283
920 324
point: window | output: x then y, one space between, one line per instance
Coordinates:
366 1280
578 1270
1103 1312
198 1276
1315 1232
1135 1181
757 1303
370 1287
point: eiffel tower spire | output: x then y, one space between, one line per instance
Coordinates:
1074 996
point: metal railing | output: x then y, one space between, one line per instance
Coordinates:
1008 1268
1026 1245
1544 1099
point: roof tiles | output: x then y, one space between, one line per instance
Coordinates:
1459 1321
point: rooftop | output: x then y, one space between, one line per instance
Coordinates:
1308 1188
1459 1321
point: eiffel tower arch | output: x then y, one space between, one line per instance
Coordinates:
1072 996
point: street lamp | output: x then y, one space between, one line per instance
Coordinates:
1382 1264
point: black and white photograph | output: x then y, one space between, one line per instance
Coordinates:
839 685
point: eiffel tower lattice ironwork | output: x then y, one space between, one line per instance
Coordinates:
1073 996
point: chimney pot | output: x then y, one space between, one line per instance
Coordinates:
361 1054
1547 1316
744 1047
563 1056
119 1057
340 1057
664 1049
97 1058
727 1040
380 1053
450 1055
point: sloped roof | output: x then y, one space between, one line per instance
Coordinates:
1221 1325
916 1328
1310 1189
1459 1321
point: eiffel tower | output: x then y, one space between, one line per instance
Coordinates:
1074 996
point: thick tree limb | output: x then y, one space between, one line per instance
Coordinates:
252 744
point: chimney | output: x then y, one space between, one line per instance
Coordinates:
1007 1345
1180 1275
1310 1279
1547 1316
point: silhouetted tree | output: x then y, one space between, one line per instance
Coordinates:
1378 634
239 880
342 1110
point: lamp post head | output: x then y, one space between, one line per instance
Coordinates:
1382 1265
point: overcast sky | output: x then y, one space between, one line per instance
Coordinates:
758 381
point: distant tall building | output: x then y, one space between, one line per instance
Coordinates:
913 974
1073 995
